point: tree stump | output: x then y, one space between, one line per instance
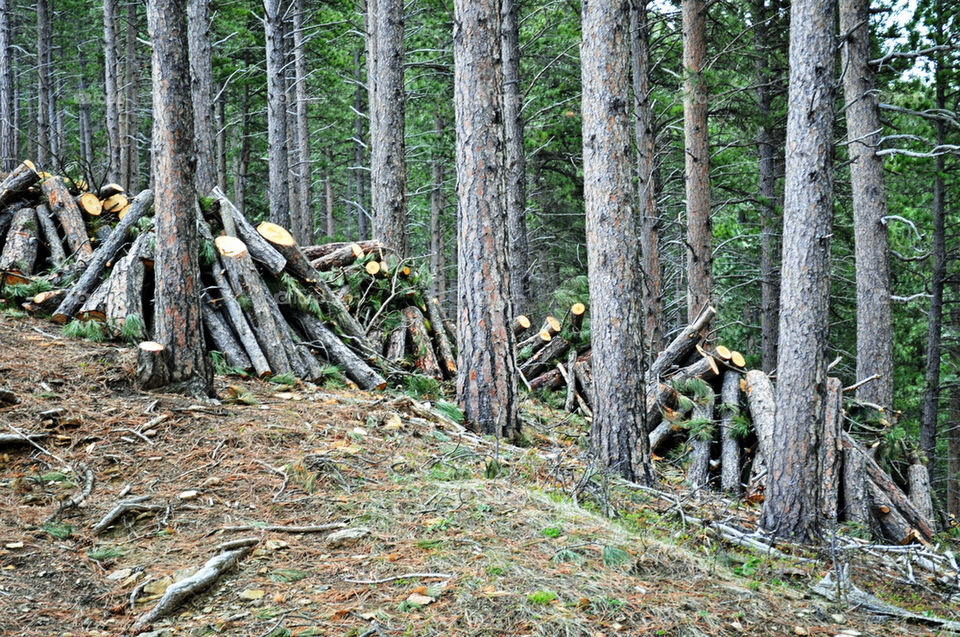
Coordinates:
152 368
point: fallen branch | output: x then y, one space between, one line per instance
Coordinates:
19 439
317 528
392 578
125 506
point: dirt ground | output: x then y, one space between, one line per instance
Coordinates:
454 543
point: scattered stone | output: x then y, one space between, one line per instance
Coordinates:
119 574
838 618
419 600
800 630
251 594
347 537
14 545
192 494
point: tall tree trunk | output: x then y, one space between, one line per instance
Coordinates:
486 369
330 225
931 395
370 42
437 260
111 89
279 188
697 159
44 89
243 157
130 149
305 168
359 192
618 433
201 90
8 134
645 138
953 435
221 123
872 247
387 162
792 507
86 123
767 178
293 134
516 159
177 322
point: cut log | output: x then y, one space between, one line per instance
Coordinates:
50 237
102 234
893 525
536 341
520 325
115 203
663 396
319 251
20 250
340 258
544 358
98 261
222 337
258 247
6 216
109 190
737 359
882 480
680 347
583 373
255 299
397 345
575 317
570 404
421 348
856 498
236 318
90 204
124 290
918 479
763 409
445 354
372 268
729 446
723 353
305 365
152 368
63 205
698 473
831 451
45 302
552 378
22 177
551 326
334 350
95 307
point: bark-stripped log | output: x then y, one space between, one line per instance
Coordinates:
729 446
152 368
544 358
51 238
105 253
63 205
334 350
20 249
831 451
258 247
445 353
699 470
222 336
22 177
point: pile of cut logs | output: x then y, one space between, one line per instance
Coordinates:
270 307
724 427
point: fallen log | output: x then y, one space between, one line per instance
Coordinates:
918 480
109 190
700 440
335 351
763 410
552 378
856 499
662 395
445 355
51 238
575 315
20 249
222 337
124 293
340 258
729 446
680 347
543 358
258 247
22 177
99 259
74 230
520 325
570 404
397 345
90 204
319 251
114 203
424 357
45 302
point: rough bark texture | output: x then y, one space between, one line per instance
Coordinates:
20 248
699 470
729 446
8 135
369 8
51 238
359 177
177 318
336 352
872 246
920 491
761 400
421 348
486 369
437 207
681 346
856 499
124 290
545 357
696 152
613 260
279 190
831 451
953 435
222 337
445 355
516 186
201 89
129 147
44 88
19 180
111 89
791 507
62 204
259 248
304 171
644 137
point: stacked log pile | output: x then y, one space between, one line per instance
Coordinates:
270 306
707 409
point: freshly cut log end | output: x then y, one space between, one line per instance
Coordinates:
230 246
13 278
520 325
90 204
723 353
115 204
384 270
20 250
22 177
737 359
123 212
276 234
575 316
551 326
152 368
372 268
109 190
47 302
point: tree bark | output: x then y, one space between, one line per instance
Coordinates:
681 346
8 134
613 260
111 89
129 147
62 204
222 337
201 90
279 179
445 355
304 171
20 248
761 400
177 318
699 470
359 190
921 492
953 435
424 357
336 352
387 160
831 451
437 205
697 158
856 498
791 508
486 369
51 238
259 248
18 181
545 358
729 446
872 246
44 87
369 8
124 289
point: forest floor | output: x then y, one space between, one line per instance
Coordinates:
526 552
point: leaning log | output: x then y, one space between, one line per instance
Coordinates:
257 246
20 250
918 480
339 258
334 350
831 451
699 470
680 347
570 403
664 396
22 177
855 495
397 344
763 410
222 337
445 354
104 254
319 251
50 237
421 348
74 229
583 374
124 289
543 359
729 446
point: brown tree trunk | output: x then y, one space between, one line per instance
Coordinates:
369 8
359 190
872 246
953 451
84 117
486 369
62 204
279 178
19 180
697 158
424 358
613 260
831 451
445 355
8 133
129 148
729 446
437 204
700 442
177 318
44 87
111 89
856 498
20 248
516 186
51 238
791 508
304 171
336 352
387 161
645 137
201 90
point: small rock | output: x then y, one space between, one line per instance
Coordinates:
849 632
14 545
800 630
251 594
122 573
191 494
347 537
419 600
838 618
737 626
210 482
275 545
